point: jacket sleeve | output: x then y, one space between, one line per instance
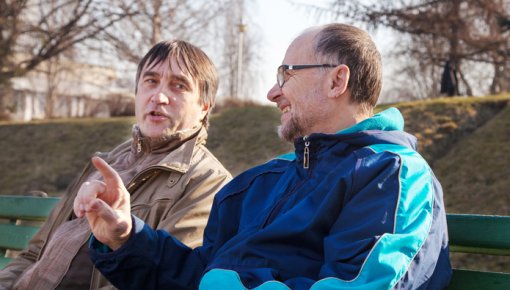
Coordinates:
150 259
29 256
383 226
149 251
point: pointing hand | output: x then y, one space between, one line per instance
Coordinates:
106 205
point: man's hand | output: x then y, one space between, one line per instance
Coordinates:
106 204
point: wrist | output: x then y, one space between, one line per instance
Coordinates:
123 238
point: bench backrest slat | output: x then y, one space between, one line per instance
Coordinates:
3 261
18 236
20 218
480 234
476 280
26 208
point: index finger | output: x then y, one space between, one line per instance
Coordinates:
109 174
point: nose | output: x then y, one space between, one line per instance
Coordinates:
160 98
274 93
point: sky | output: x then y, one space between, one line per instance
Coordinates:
278 22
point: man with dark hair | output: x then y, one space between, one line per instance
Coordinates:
169 175
354 207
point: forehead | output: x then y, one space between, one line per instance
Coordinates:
168 67
301 49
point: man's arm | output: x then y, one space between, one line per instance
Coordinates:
149 260
142 258
106 205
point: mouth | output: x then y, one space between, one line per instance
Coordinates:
157 114
285 109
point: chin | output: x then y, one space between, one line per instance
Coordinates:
152 133
283 133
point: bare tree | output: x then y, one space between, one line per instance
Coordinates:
459 31
152 21
211 25
31 34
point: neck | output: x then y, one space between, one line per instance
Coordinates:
342 117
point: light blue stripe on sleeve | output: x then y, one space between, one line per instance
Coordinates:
393 253
227 279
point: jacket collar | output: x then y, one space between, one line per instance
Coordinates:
179 145
180 158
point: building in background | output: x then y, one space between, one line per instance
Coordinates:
67 89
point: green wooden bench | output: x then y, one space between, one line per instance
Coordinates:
479 234
20 219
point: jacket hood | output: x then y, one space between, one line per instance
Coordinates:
386 127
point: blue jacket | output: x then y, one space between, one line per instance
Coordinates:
367 213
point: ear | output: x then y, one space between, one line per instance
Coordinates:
338 80
205 110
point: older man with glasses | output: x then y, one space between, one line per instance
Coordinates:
355 206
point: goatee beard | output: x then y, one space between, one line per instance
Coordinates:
290 131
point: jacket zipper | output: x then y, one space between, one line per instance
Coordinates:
138 145
306 153
281 202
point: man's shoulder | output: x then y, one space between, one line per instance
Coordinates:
204 159
401 153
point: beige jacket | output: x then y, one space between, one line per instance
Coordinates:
172 182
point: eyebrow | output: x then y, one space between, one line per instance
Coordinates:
185 80
172 77
150 74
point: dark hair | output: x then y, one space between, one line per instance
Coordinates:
190 59
345 44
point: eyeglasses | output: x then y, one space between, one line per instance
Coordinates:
280 75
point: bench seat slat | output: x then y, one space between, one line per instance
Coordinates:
480 234
21 207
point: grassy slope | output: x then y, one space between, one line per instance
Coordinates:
440 123
477 170
475 179
48 155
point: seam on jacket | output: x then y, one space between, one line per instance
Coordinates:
247 180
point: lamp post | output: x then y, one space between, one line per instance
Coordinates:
239 85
